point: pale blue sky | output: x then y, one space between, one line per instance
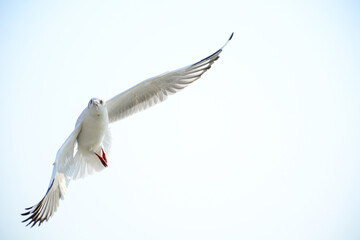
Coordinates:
264 146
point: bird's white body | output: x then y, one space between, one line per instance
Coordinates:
85 150
94 125
93 140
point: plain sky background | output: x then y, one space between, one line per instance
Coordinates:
264 146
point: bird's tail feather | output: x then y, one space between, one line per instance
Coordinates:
85 163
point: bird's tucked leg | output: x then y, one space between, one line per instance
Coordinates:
102 158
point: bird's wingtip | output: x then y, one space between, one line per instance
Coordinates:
232 34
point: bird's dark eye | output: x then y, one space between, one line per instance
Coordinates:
91 101
101 102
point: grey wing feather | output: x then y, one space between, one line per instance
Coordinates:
50 202
157 89
59 181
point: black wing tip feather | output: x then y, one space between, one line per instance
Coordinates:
35 211
232 34
215 53
26 213
34 217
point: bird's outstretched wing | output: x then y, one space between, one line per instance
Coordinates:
62 173
156 89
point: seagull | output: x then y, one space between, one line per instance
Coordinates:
85 151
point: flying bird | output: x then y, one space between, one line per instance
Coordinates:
85 151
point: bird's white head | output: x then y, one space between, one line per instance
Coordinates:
97 104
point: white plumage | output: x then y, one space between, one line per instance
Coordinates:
92 136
